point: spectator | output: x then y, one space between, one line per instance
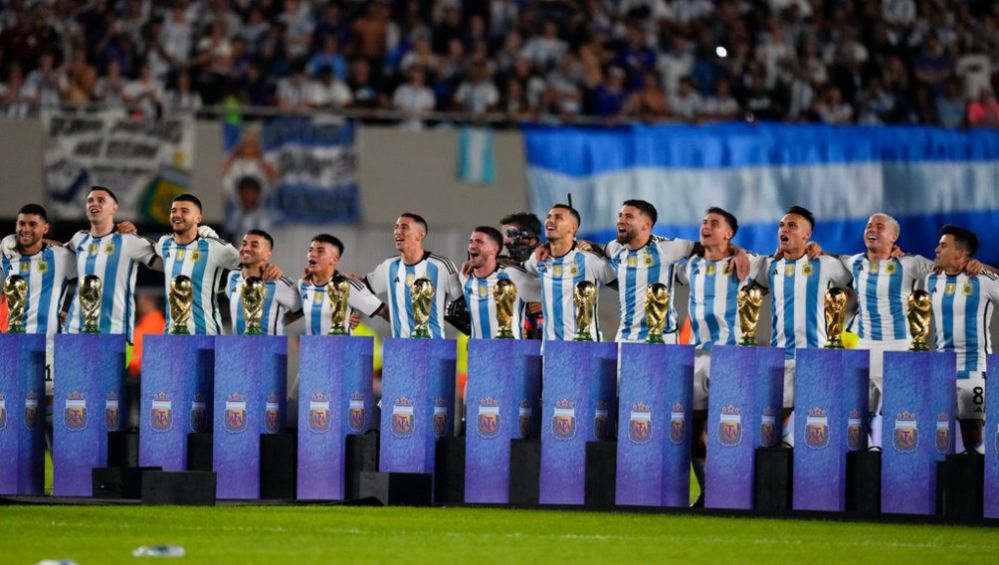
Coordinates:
145 92
363 91
329 56
721 106
545 49
477 95
950 106
984 111
109 90
327 91
16 101
933 66
292 93
686 103
46 85
182 99
832 109
414 99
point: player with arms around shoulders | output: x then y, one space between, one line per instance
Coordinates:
281 296
480 283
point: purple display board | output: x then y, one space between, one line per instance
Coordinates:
653 445
990 437
177 390
918 413
22 414
830 401
578 405
744 412
417 402
502 398
335 400
251 376
89 401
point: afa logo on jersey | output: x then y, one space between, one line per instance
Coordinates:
730 426
564 419
403 422
319 413
640 423
817 428
75 414
161 414
906 435
235 413
489 418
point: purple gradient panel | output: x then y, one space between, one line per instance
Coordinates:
22 414
990 437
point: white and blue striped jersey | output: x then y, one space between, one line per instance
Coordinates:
713 304
113 258
393 277
962 313
636 270
47 273
559 277
317 309
798 293
482 305
203 260
883 288
280 298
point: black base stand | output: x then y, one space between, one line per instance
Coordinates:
863 482
361 455
186 488
773 480
398 489
199 452
278 466
449 471
601 475
525 471
119 482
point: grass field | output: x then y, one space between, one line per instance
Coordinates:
447 535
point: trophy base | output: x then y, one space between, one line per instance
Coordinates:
254 331
338 331
744 342
582 338
90 330
15 329
834 346
505 334
919 347
420 334
654 338
179 331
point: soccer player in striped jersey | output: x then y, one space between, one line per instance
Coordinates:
281 298
564 266
113 257
963 305
323 257
394 276
484 246
714 285
197 252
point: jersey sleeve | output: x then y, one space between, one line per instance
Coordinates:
528 287
138 249
762 277
68 259
674 250
757 265
991 281
378 279
603 272
681 272
531 265
362 299
224 254
839 275
452 284
921 266
287 295
158 246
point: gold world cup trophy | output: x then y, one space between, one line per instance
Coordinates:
505 294
656 310
422 291
749 300
253 293
585 295
338 291
181 302
835 309
919 310
15 290
90 303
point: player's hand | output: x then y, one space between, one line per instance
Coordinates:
896 251
813 249
542 252
9 251
974 268
355 276
741 262
466 269
63 317
207 232
355 320
533 308
127 227
584 245
270 271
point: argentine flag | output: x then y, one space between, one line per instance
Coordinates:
475 156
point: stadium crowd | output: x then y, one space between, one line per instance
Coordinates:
825 61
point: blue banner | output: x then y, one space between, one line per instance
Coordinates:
653 434
22 414
924 177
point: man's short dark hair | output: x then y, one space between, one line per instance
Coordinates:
34 210
526 221
263 234
804 213
965 238
573 211
188 197
249 182
332 240
644 207
492 233
729 218
416 218
107 190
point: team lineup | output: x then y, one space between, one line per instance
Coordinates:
545 273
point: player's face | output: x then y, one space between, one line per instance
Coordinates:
879 234
31 228
631 223
323 257
949 256
184 216
715 230
559 224
481 248
792 234
408 234
254 250
100 206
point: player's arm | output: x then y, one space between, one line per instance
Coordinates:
364 301
839 275
144 250
377 280
286 295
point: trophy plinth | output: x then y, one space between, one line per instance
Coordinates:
253 293
90 303
920 307
15 290
585 295
505 294
835 308
181 301
749 300
422 292
338 291
656 311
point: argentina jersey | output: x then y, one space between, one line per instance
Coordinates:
317 310
47 273
280 299
482 305
962 313
636 270
798 293
393 278
113 258
713 304
203 260
558 277
882 289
